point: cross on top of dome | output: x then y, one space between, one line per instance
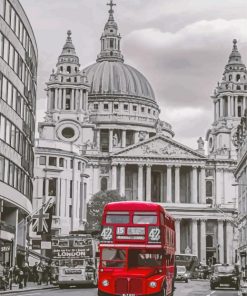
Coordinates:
111 4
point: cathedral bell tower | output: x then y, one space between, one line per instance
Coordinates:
110 40
67 89
230 101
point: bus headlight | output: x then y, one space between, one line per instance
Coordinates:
152 284
105 283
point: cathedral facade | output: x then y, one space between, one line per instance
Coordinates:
102 131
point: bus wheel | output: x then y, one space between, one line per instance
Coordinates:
62 286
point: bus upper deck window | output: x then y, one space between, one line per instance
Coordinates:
118 218
145 218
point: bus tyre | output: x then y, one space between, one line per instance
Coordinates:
62 286
212 287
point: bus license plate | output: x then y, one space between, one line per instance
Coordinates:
129 295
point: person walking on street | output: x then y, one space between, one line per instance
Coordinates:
35 272
26 271
16 274
40 273
20 278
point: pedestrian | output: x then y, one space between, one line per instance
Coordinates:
26 271
40 272
16 274
20 278
11 274
35 272
1 275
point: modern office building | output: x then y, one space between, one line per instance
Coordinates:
103 122
18 74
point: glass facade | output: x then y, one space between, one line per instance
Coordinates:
18 84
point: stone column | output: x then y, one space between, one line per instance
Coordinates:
140 182
72 99
219 185
49 100
177 184
194 184
236 106
148 182
123 138
229 106
136 136
64 99
203 241
229 243
169 184
220 246
56 98
96 184
122 179
177 228
221 107
194 232
58 198
202 186
85 96
110 140
232 106
98 139
114 176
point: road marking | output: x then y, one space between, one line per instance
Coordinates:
211 293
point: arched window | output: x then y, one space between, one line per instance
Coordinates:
69 69
209 241
104 184
61 68
237 77
230 77
209 189
238 87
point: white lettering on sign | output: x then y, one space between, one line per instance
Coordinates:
106 233
154 234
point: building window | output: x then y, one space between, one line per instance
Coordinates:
61 162
53 161
79 166
70 188
103 184
142 109
134 108
67 104
68 132
209 241
115 106
42 160
44 187
111 43
209 189
71 164
237 77
70 211
126 107
69 69
52 187
106 106
149 110
95 106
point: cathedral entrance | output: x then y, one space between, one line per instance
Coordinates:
156 187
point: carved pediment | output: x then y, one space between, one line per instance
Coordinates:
160 146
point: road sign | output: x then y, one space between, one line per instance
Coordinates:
45 245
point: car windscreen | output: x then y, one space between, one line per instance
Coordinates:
225 269
181 268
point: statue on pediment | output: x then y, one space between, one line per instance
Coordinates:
149 150
115 141
142 135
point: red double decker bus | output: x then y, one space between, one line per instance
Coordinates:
137 250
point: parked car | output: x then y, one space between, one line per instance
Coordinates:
225 275
182 274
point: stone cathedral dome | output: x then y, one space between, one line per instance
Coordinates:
110 75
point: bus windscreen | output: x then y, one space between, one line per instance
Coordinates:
143 258
117 218
113 257
145 218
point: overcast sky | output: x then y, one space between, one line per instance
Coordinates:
181 46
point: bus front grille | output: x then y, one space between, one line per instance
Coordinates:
135 286
121 286
129 286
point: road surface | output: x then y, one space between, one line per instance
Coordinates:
193 288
